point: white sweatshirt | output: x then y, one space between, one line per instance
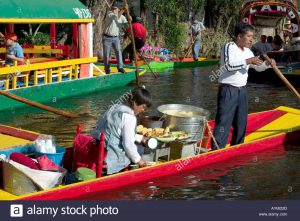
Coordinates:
233 69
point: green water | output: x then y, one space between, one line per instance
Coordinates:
184 86
274 176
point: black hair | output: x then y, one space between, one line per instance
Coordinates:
243 28
269 39
140 96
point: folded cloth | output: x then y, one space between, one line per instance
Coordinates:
46 164
24 160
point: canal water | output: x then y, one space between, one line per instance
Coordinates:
272 174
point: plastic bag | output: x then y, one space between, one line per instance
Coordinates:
45 144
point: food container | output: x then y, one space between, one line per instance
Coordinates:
180 117
151 121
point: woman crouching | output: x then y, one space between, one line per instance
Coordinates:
119 127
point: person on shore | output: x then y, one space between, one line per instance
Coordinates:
114 22
232 107
119 126
14 51
140 34
195 32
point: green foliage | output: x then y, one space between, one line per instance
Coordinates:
213 41
38 39
171 13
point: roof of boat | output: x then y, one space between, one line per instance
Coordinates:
44 11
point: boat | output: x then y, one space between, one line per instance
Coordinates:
265 130
56 75
171 65
268 17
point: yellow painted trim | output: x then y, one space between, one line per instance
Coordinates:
37 20
289 110
37 51
284 124
45 65
8 141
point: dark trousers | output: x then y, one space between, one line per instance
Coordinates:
232 111
139 43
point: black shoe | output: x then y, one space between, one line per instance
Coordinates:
107 72
121 70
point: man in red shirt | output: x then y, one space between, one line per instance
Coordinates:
139 33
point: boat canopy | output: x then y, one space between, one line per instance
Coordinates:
268 13
44 11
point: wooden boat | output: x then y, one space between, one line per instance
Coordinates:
52 77
271 15
171 65
264 130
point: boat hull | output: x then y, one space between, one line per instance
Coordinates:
79 191
265 130
171 65
53 92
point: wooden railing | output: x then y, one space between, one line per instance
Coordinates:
47 71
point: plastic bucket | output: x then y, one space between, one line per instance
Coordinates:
57 157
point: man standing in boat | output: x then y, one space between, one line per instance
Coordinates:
232 107
111 38
195 32
139 33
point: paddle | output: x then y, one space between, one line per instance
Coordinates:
281 76
155 75
39 105
133 44
189 48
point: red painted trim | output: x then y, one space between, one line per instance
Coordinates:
75 47
18 133
255 121
52 35
122 179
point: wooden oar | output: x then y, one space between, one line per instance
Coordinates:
133 46
282 77
189 48
39 105
155 75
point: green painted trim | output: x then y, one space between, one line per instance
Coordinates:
171 65
43 9
57 91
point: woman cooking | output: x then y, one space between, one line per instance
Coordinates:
119 127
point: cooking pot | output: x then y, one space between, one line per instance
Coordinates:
151 121
180 117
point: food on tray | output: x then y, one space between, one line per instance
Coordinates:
162 134
149 132
181 113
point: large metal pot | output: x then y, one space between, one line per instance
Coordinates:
186 118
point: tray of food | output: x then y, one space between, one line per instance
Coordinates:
162 134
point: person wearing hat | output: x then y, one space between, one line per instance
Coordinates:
14 51
139 33
114 22
195 32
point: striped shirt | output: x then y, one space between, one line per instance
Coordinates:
233 69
